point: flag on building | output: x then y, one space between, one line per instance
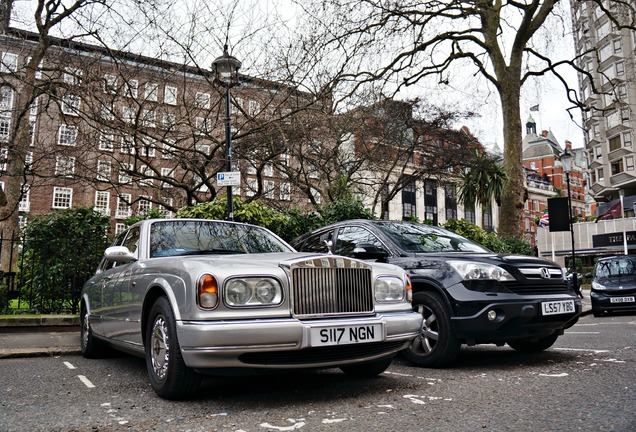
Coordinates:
545 220
534 108
612 212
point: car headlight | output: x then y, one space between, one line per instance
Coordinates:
597 286
480 271
389 289
252 291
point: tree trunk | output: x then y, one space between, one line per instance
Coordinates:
511 216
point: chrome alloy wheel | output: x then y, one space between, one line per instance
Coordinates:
429 335
159 347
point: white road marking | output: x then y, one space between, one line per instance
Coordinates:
86 381
575 332
583 350
561 375
283 428
69 365
338 420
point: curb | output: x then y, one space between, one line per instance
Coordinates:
38 352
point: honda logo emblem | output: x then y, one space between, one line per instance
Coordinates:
545 272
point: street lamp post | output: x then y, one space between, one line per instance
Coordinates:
225 69
566 160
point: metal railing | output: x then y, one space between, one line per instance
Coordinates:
32 283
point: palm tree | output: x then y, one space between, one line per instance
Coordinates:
482 182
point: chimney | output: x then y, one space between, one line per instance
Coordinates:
568 146
544 133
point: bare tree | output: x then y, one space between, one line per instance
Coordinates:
395 45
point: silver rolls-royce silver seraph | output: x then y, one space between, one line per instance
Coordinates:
203 297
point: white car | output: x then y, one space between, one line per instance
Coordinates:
200 296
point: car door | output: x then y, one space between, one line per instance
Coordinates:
116 317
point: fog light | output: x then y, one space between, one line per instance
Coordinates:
492 315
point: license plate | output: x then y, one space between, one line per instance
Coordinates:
622 299
558 307
343 335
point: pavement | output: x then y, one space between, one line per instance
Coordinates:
43 336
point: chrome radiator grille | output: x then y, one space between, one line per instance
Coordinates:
333 287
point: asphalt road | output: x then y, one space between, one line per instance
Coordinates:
585 382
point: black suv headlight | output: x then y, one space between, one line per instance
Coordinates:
469 270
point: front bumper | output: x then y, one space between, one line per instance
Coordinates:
514 319
286 343
601 302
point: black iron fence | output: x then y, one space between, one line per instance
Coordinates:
33 282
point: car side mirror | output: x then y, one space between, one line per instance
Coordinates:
588 275
119 254
368 251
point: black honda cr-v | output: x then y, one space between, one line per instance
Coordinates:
466 293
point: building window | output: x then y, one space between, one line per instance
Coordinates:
202 100
62 197
202 126
430 201
24 204
64 166
450 201
128 115
627 139
124 210
102 202
408 201
124 173
600 175
120 228
151 92
132 87
164 208
104 170
252 187
167 173
615 143
67 135
9 62
144 205
269 187
106 141
72 76
285 192
617 167
148 147
620 69
170 95
149 118
169 121
127 145
71 104
4 153
110 84
629 163
168 149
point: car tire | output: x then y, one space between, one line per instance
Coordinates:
169 376
90 346
436 345
530 346
368 369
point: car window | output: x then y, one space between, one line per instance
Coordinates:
132 240
318 243
174 238
416 238
350 237
615 267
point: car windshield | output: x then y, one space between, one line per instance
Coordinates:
416 238
173 238
616 267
